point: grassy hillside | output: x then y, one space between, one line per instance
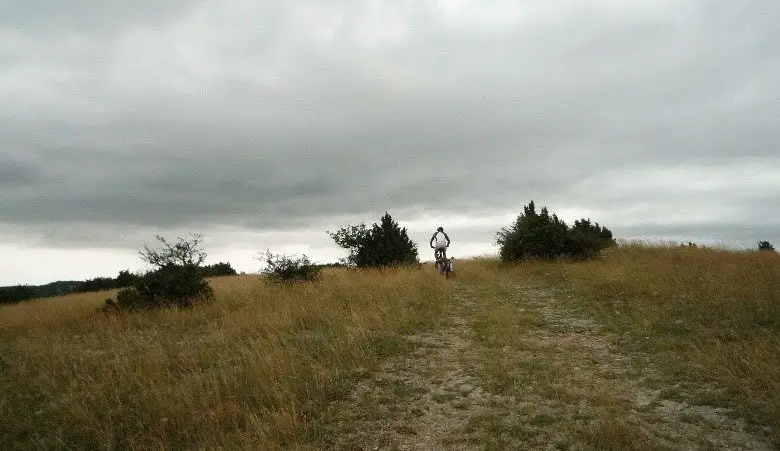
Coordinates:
710 319
248 369
698 329
257 367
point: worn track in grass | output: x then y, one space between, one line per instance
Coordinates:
564 384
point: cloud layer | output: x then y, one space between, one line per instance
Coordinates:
657 118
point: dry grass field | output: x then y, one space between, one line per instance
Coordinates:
246 371
647 347
643 348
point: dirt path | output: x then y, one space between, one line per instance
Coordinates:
570 388
420 401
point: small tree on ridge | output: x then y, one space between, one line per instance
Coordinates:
384 244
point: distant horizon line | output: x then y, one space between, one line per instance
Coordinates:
661 242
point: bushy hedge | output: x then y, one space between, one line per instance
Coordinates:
16 293
587 239
283 268
217 269
544 235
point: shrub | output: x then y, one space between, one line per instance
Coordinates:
177 285
283 268
172 285
765 246
129 298
587 239
177 280
545 236
125 279
384 244
532 235
218 269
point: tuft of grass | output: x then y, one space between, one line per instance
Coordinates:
617 434
250 370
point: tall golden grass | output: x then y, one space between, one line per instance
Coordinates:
254 368
245 371
712 318
708 318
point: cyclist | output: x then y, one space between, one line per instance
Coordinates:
439 243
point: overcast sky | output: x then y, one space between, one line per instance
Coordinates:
264 124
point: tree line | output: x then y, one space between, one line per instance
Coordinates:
178 274
17 293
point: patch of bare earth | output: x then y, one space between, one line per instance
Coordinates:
566 386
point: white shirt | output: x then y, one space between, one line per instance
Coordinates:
439 239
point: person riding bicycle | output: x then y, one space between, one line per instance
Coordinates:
439 243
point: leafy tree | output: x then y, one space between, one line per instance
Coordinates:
283 268
177 279
353 238
384 244
544 235
765 246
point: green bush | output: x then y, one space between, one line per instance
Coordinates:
125 278
177 285
384 244
587 239
128 298
765 246
533 235
172 285
217 270
177 280
545 236
283 268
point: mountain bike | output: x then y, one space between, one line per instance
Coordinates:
445 266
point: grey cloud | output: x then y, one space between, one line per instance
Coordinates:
88 16
17 172
275 115
721 235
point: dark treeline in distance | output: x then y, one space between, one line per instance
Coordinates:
18 293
